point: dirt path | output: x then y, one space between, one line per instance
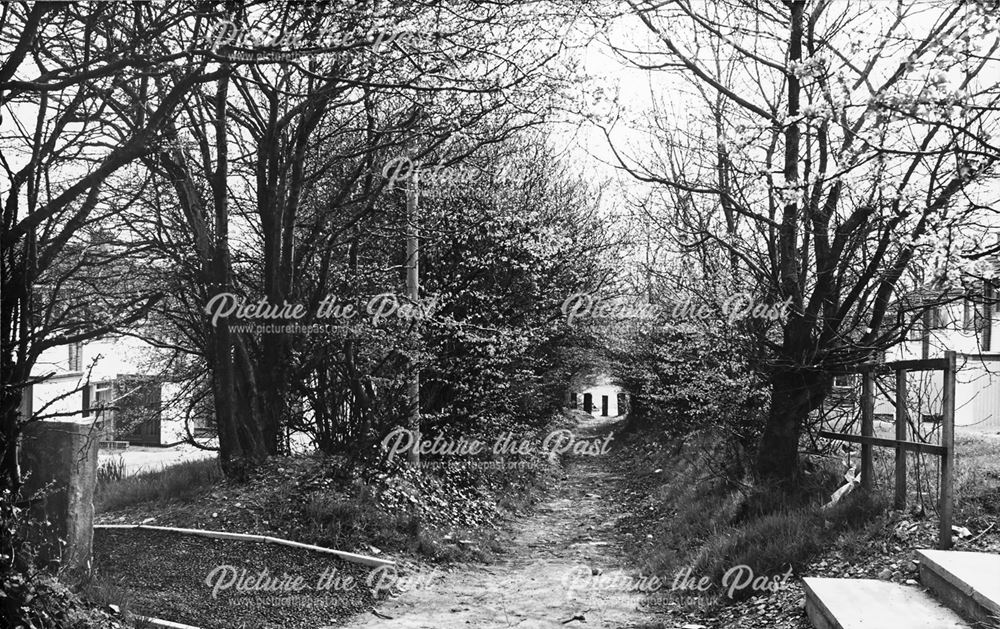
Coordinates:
545 578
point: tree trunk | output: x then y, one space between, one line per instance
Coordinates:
222 394
794 394
272 386
240 447
16 361
10 404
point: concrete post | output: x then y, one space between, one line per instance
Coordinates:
60 458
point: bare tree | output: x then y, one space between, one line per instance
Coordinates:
64 64
829 147
309 130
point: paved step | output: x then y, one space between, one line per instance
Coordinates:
874 604
967 582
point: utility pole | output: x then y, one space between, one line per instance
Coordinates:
413 292
649 271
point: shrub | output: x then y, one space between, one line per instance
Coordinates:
29 597
680 382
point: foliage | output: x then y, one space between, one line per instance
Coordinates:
508 254
683 380
31 598
496 259
40 601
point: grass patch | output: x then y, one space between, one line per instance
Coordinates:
709 524
704 521
772 543
977 480
177 482
115 599
346 519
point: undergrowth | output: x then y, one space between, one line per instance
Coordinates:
449 511
706 521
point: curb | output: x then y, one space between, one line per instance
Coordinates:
352 557
163 624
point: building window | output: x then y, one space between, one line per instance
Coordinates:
932 318
977 316
914 324
937 318
76 356
101 401
843 381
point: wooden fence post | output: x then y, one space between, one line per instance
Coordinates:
946 489
867 427
901 433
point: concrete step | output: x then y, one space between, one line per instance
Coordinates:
967 582
874 604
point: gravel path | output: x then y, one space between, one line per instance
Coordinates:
546 578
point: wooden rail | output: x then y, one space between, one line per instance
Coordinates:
868 440
908 446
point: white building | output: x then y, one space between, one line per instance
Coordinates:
110 379
971 328
600 398
966 324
